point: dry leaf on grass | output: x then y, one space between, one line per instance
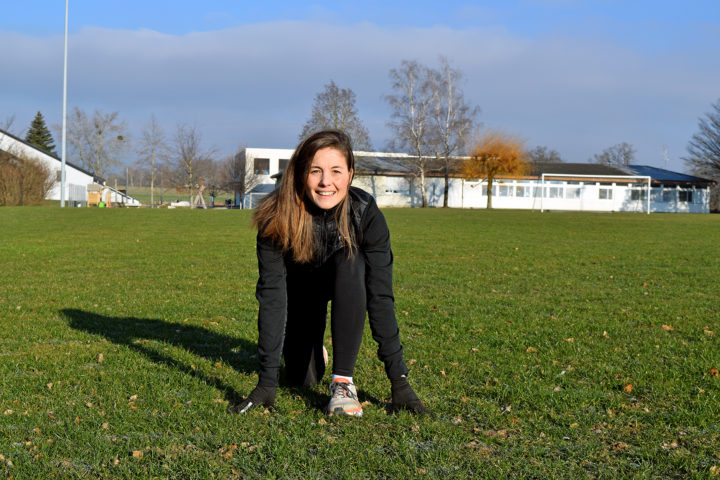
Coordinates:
668 328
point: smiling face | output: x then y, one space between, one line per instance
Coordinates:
329 178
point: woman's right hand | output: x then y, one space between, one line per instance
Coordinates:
260 396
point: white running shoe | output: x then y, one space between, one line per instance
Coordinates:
343 399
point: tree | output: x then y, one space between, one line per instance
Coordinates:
410 118
40 136
191 162
96 142
23 181
7 124
452 119
704 146
153 148
622 154
496 153
334 108
542 154
235 177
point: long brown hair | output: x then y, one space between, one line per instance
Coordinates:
283 215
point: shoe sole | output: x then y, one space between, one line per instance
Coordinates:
341 411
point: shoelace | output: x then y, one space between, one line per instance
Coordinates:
341 390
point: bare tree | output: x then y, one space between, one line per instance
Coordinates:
23 180
452 119
190 160
335 108
96 142
235 176
621 154
704 147
543 154
7 124
153 148
410 118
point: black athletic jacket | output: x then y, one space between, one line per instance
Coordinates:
373 239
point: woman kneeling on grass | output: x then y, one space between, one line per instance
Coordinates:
321 240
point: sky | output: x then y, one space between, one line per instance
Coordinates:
575 76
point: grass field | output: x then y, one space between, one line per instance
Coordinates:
556 345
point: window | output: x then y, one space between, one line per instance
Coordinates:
397 185
505 191
637 194
484 190
668 195
685 196
522 191
573 192
58 176
262 166
555 192
282 164
605 193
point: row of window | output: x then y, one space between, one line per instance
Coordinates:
575 192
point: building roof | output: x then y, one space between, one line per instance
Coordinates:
381 165
537 169
660 175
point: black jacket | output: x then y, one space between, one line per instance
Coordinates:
373 241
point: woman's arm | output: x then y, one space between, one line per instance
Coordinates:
271 293
379 286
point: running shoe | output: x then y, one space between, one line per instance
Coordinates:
343 399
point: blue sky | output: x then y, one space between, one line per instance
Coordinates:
576 76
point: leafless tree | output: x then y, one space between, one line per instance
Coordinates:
236 177
621 154
7 124
543 154
190 160
704 147
96 142
153 148
23 180
334 107
452 119
411 116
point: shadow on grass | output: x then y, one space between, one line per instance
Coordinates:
133 332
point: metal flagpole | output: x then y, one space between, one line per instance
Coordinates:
64 114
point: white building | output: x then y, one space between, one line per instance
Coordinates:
548 186
77 179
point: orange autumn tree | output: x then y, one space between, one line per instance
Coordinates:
495 154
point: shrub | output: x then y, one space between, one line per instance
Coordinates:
23 181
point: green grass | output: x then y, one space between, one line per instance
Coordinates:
556 345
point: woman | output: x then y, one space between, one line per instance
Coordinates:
321 240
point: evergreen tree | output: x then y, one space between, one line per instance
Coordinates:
40 136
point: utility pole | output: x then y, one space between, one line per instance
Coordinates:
64 114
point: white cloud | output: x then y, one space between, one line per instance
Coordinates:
256 83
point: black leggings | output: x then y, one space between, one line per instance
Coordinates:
342 281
